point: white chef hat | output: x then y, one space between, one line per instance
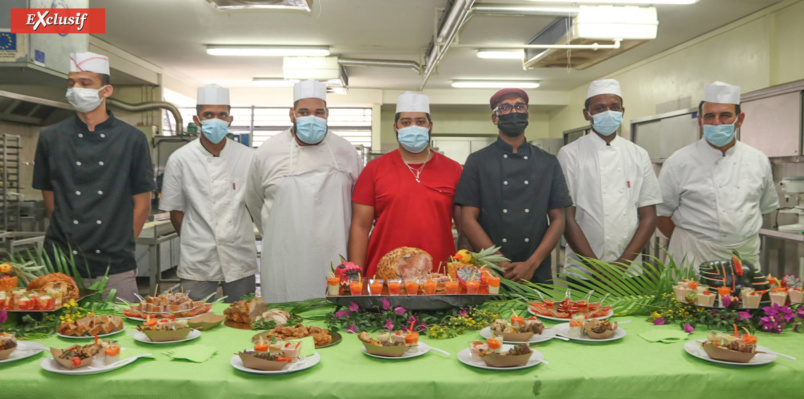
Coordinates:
722 93
89 62
213 95
412 102
603 86
309 89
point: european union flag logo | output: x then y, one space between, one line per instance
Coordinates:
8 41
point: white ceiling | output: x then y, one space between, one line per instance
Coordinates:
173 34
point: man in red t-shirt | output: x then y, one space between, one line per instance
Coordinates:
405 194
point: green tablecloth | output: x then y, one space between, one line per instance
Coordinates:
628 368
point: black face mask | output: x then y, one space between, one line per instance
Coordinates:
512 124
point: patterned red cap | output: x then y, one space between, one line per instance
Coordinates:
503 92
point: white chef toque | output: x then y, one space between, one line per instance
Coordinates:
309 89
213 95
603 86
722 93
89 62
412 102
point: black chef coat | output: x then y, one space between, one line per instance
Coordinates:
514 192
94 176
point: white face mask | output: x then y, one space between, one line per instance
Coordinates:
84 100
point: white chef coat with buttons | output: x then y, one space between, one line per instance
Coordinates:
217 234
718 199
608 184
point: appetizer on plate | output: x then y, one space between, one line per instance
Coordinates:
518 329
77 356
8 343
165 330
600 329
517 356
731 348
272 356
320 335
384 345
91 325
168 305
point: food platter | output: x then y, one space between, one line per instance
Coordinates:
420 349
90 336
412 302
178 318
540 316
25 349
141 337
465 357
694 348
546 335
563 330
96 367
82 293
302 364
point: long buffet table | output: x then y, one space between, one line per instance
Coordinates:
628 368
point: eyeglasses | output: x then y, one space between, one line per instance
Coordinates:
507 108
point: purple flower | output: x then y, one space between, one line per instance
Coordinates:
389 325
659 322
422 327
385 304
353 307
744 315
3 316
714 312
800 312
726 301
399 310
351 328
463 312
688 328
341 313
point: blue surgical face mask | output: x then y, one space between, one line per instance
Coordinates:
413 138
311 129
719 135
606 123
214 129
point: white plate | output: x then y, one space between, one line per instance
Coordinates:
694 348
97 366
24 349
178 318
606 316
302 364
91 336
415 351
465 357
546 335
140 336
563 330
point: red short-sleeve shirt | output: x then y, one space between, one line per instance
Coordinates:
408 213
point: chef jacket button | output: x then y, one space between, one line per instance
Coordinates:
505 182
505 210
100 192
527 239
504 240
97 251
527 210
78 163
526 157
75 222
100 163
526 182
505 155
80 135
98 221
103 136
77 193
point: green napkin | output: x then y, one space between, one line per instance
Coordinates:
193 353
308 346
664 336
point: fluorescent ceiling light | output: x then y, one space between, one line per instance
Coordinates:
274 82
502 54
620 1
616 22
316 68
268 51
494 84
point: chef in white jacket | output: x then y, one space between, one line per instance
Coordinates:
299 194
612 183
716 190
204 188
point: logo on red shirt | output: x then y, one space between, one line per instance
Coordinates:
58 20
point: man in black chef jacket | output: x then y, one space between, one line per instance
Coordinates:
510 190
96 177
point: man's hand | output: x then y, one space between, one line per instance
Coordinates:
516 271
